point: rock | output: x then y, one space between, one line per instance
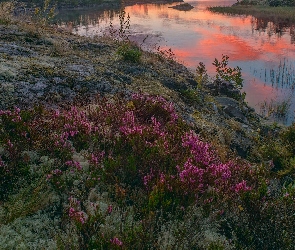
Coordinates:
15 50
241 145
173 84
133 69
225 101
236 113
192 81
222 87
231 107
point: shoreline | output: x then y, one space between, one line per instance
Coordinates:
105 142
275 14
49 66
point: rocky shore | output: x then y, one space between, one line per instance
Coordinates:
50 67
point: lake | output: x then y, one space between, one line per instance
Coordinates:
264 50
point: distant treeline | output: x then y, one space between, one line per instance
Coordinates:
272 3
68 3
276 3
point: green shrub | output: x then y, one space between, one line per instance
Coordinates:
227 73
129 52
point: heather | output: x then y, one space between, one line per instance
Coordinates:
106 146
118 168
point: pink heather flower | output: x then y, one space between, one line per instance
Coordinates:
48 177
156 124
162 178
72 212
110 209
116 241
16 110
5 112
129 126
209 200
200 150
81 217
56 172
147 178
242 186
67 126
96 158
78 216
166 145
157 127
221 170
2 164
17 119
74 164
190 173
56 113
174 117
73 133
9 144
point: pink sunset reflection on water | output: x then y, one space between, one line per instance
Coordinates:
265 51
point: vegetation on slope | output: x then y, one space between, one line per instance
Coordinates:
115 167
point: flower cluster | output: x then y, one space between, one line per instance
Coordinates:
116 241
75 212
74 164
152 102
203 169
241 187
200 151
129 126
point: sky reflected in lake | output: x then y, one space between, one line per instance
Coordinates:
264 50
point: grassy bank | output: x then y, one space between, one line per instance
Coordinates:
276 14
106 146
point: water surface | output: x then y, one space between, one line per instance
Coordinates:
264 50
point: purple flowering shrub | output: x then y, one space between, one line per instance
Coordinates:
140 142
200 178
141 153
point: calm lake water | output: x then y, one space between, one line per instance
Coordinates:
264 50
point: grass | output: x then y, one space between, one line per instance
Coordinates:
130 52
275 14
276 109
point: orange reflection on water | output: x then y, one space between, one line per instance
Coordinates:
241 38
258 92
239 49
258 46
